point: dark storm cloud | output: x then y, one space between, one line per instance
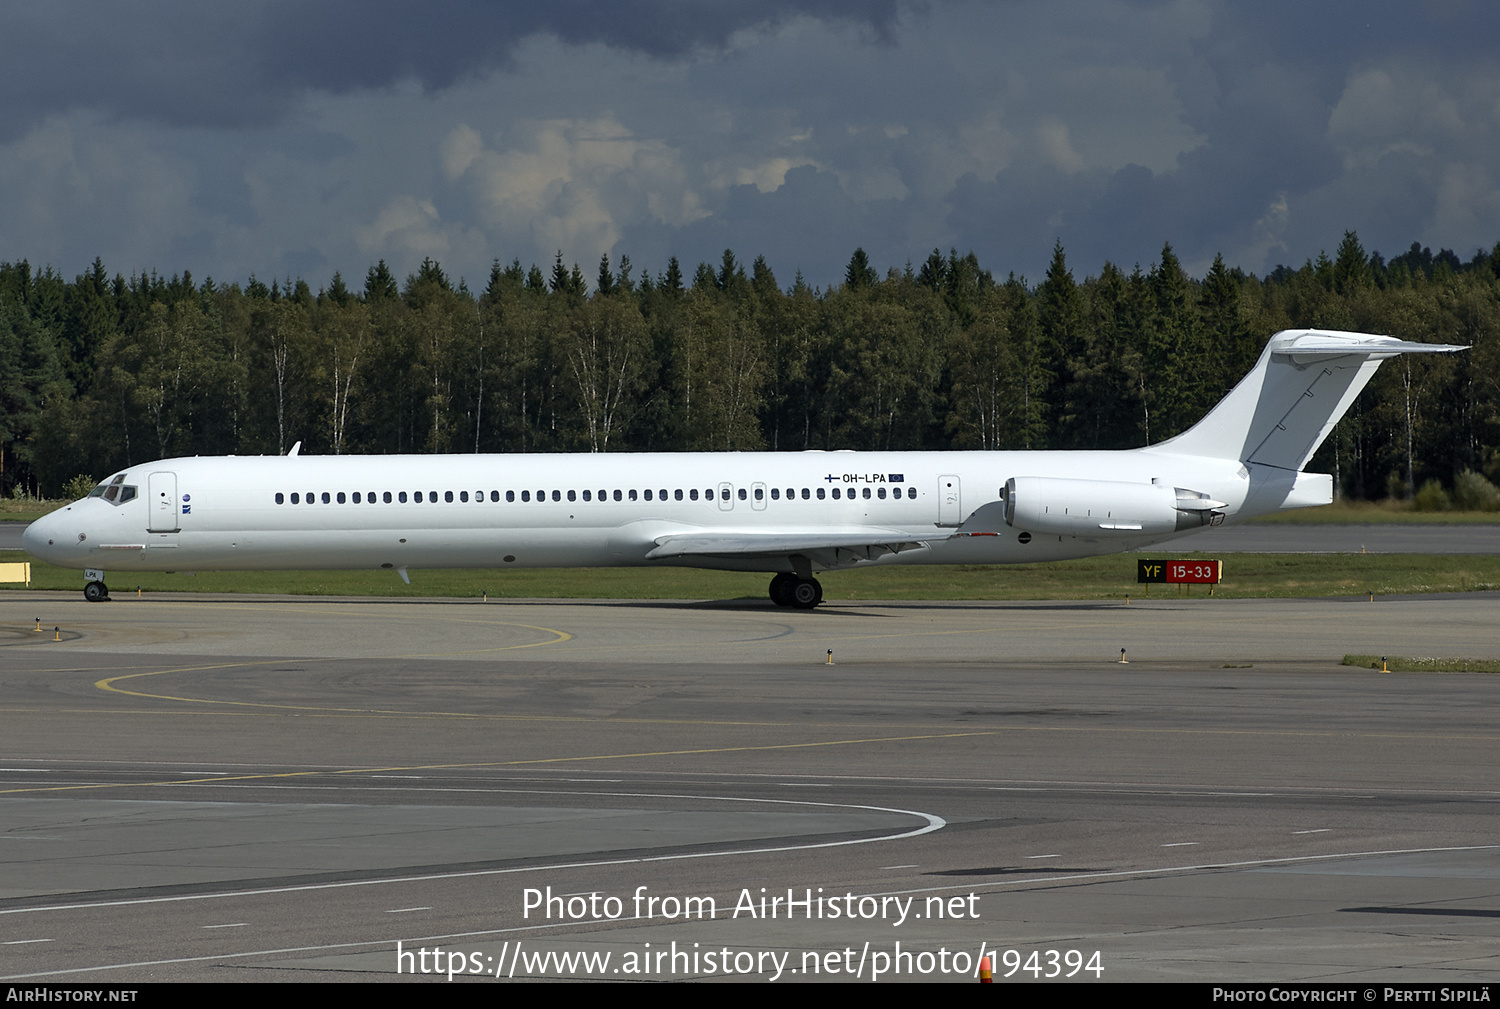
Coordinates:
1274 179
275 138
245 64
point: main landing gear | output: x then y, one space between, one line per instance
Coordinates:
96 592
789 590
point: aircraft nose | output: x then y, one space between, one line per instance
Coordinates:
38 538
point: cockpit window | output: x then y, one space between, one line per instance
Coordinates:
114 491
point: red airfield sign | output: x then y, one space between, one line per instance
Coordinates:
1179 572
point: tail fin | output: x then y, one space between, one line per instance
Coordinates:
1304 381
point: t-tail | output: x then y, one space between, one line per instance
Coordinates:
1275 419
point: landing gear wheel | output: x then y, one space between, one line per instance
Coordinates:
807 593
96 592
781 588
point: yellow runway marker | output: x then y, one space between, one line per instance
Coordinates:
108 683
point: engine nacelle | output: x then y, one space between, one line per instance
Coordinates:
1091 507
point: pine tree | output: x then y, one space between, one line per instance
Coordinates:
671 281
763 281
337 292
1065 343
1351 268
859 273
606 285
379 283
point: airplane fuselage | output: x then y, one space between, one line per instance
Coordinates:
352 512
789 513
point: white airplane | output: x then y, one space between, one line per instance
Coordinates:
788 513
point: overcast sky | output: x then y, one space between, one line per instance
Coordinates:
280 138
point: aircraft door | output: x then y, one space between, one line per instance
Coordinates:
758 497
162 495
950 501
726 497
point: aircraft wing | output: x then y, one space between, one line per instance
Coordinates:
824 548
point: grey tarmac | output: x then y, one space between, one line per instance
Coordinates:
254 788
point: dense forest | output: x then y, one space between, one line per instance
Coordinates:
105 371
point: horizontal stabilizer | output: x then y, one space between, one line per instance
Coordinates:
1318 344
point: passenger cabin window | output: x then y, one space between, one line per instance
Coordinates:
295 498
279 498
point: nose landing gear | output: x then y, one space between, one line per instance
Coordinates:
96 592
789 590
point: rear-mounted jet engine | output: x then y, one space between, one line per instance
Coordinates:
1088 507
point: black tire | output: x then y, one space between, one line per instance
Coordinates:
781 588
807 593
95 592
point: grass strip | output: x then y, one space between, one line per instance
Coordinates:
1423 664
1376 513
1247 576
